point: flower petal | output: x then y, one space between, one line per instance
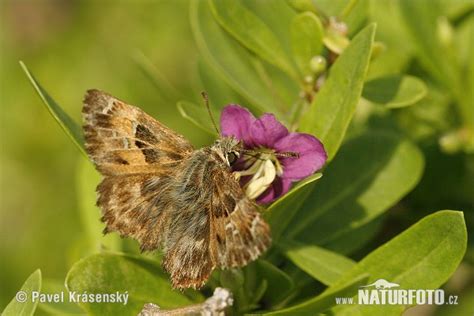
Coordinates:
236 121
266 131
279 187
312 155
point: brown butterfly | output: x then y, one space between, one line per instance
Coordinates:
162 192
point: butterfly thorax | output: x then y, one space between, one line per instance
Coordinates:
228 149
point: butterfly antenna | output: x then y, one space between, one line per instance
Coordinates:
206 102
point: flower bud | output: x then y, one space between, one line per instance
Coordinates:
317 64
445 31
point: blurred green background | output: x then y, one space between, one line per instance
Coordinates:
72 46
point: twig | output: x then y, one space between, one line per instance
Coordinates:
213 306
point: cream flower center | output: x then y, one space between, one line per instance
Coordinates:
263 166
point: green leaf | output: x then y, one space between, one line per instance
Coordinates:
306 39
71 128
220 93
394 91
280 213
422 257
354 239
198 115
352 12
324 301
27 307
284 90
355 14
302 5
322 264
142 279
66 307
467 108
422 24
87 180
232 62
166 90
437 54
279 284
251 32
332 109
371 173
279 22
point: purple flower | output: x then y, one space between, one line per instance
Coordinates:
277 157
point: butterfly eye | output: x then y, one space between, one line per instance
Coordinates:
232 157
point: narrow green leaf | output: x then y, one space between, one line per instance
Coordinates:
280 213
354 239
251 32
322 264
163 86
142 279
220 93
371 173
229 59
71 128
279 284
279 22
199 116
302 5
467 106
394 91
354 13
87 180
284 89
64 308
422 257
22 304
437 54
324 301
422 24
306 39
332 110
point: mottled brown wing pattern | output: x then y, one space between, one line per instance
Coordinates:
122 139
213 225
136 154
187 239
132 205
240 234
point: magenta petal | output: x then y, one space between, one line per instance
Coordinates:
312 155
266 131
279 187
236 121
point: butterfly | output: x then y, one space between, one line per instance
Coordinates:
159 190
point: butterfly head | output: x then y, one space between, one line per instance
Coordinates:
228 149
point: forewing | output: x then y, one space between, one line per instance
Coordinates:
122 139
137 156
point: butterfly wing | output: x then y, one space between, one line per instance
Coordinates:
214 223
122 139
240 233
136 154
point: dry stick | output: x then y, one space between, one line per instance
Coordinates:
213 306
